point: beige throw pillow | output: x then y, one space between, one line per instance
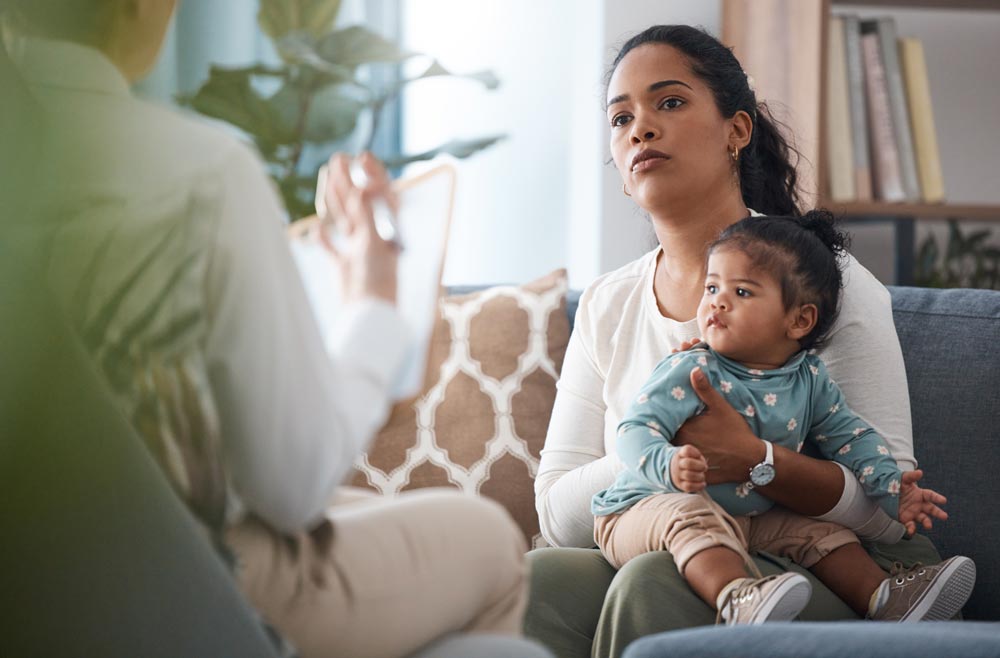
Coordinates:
480 422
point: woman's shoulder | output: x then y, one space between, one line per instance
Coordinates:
618 284
860 285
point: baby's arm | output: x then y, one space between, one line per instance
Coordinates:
844 437
644 434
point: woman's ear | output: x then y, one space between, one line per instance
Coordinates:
801 321
741 130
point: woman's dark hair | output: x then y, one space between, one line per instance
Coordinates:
800 252
767 175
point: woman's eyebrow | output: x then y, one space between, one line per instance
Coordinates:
653 87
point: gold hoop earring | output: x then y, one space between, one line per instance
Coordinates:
625 190
735 154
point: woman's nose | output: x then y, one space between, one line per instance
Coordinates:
642 131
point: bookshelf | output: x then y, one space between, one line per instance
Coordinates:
783 45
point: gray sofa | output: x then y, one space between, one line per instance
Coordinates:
951 345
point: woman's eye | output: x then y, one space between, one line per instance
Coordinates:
742 292
671 103
620 120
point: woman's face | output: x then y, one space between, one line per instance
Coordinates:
668 140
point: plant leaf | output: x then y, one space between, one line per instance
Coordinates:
487 78
301 49
332 114
457 147
278 18
228 95
357 45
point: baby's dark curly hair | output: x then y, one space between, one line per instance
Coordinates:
800 252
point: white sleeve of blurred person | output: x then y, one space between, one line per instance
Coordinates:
294 415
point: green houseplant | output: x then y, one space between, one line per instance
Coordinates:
318 97
968 261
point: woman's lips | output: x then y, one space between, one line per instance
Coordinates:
649 163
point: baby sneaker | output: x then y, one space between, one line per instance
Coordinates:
757 600
924 593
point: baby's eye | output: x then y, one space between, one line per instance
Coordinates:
742 292
712 288
671 103
620 120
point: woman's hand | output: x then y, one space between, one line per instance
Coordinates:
367 263
687 469
918 505
721 435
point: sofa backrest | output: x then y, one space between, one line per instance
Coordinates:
951 345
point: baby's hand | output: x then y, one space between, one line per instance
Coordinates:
686 345
687 469
918 505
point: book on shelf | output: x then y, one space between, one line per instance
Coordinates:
918 93
889 49
838 125
857 104
886 169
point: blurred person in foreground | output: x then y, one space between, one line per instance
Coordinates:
167 251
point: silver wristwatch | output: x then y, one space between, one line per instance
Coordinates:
763 473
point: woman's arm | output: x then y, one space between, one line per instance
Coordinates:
574 465
294 416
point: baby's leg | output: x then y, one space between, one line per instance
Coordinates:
832 552
707 553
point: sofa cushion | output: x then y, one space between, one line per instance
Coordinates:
950 341
480 422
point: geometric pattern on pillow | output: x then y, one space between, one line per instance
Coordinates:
480 422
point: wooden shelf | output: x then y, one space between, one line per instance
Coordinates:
980 5
914 210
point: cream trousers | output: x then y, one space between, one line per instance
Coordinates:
382 577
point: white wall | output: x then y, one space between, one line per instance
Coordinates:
543 198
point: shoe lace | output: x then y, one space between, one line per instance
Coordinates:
901 573
740 593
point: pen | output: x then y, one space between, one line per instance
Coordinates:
385 220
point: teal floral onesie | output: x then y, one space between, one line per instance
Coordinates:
788 406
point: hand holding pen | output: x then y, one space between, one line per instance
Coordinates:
367 256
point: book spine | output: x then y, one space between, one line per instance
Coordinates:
840 158
889 45
859 119
925 145
884 155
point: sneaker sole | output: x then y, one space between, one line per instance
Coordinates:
947 594
785 602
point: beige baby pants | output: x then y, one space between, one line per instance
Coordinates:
684 525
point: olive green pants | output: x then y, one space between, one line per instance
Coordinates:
581 606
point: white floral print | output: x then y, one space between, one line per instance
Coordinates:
726 386
677 392
702 361
893 487
653 424
813 369
882 450
822 438
750 411
792 424
858 431
755 371
770 399
742 490
846 448
835 408
642 399
674 361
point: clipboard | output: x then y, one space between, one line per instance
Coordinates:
426 204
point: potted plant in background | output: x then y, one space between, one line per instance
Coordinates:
318 97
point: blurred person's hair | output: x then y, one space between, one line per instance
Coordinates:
88 22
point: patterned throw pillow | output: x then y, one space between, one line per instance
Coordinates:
480 422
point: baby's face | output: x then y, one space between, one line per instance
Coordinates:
741 314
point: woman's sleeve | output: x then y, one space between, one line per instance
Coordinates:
574 465
293 415
864 358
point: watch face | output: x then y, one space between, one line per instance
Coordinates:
762 474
